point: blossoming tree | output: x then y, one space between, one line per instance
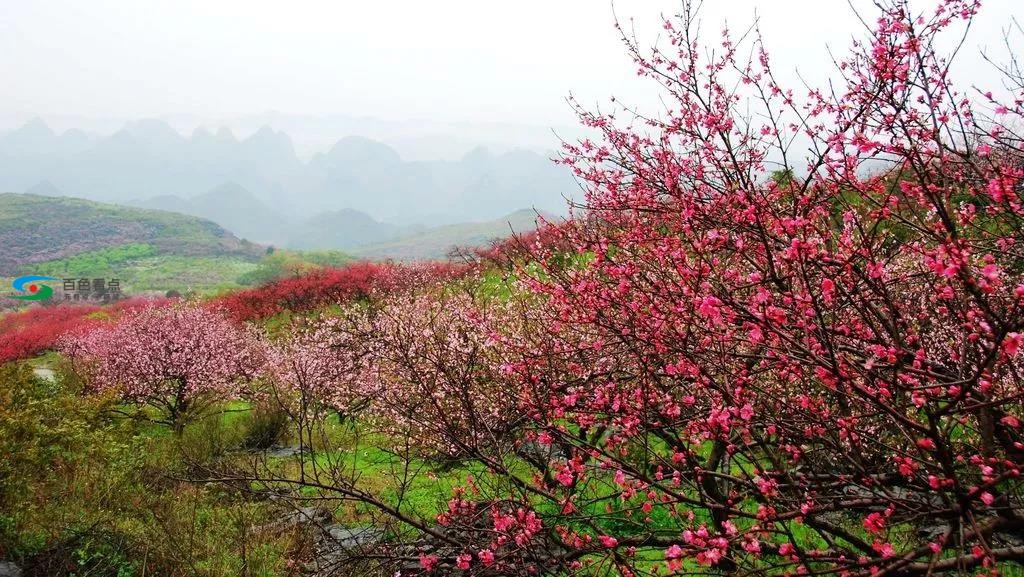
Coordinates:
433 377
740 359
803 374
178 358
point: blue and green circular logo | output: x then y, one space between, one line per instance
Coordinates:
32 285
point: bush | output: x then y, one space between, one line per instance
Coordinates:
84 491
32 331
64 462
265 427
330 286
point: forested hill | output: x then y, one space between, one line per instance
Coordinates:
36 229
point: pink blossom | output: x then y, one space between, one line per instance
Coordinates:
565 476
874 523
428 562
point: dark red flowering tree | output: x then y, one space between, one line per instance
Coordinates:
323 287
178 358
26 333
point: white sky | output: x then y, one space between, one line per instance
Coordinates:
450 60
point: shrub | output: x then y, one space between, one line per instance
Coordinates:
34 330
265 426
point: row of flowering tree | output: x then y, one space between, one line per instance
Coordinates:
181 358
25 334
730 361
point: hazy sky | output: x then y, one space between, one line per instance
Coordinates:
448 60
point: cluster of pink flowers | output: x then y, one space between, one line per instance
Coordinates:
787 349
30 332
325 360
172 356
432 374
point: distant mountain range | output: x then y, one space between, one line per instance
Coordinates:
230 206
414 139
36 229
347 229
258 187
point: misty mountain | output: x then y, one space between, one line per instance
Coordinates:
438 242
419 139
148 160
44 188
344 229
232 207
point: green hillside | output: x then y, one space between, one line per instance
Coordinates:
36 229
147 250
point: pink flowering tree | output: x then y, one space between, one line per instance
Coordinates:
314 370
781 336
177 358
323 360
770 362
433 375
420 367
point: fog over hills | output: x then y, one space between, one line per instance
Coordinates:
259 188
437 242
230 206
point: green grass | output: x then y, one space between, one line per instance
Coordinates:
141 268
87 263
281 263
87 491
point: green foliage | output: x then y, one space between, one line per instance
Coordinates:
86 491
275 265
282 263
332 258
54 444
783 177
101 262
266 426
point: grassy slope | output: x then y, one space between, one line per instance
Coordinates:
142 268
